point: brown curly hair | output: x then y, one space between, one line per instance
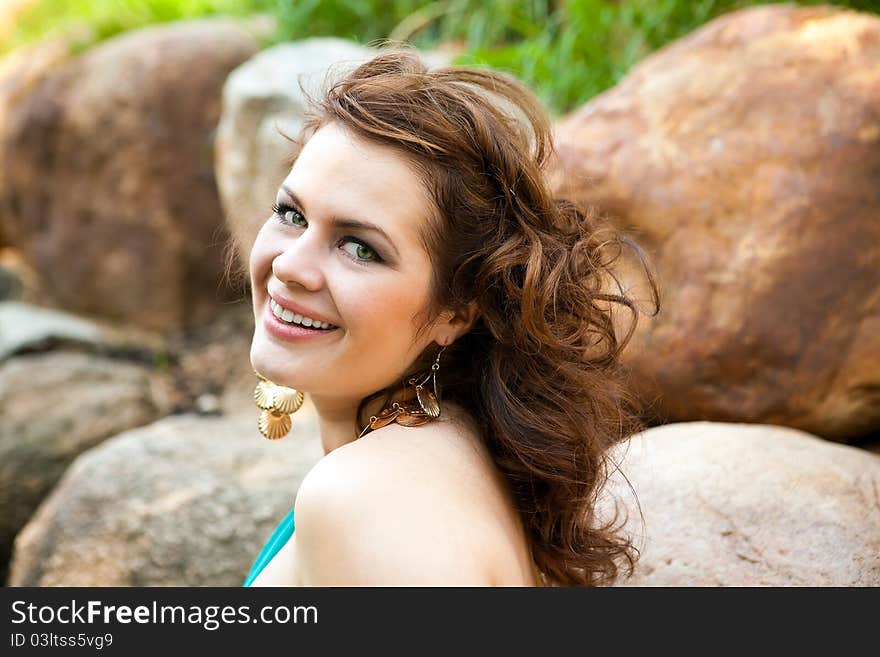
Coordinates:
540 369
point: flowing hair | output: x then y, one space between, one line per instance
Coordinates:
540 369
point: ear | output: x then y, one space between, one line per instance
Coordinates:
452 325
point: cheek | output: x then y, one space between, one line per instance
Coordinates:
382 310
260 260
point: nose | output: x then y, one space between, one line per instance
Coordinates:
300 262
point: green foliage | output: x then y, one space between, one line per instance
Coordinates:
567 50
88 21
587 46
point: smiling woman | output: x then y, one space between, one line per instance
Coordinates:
450 320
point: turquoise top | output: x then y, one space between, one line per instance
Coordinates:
276 541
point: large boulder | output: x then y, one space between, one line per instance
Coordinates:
186 501
21 71
27 328
53 407
730 504
190 501
263 101
744 158
108 184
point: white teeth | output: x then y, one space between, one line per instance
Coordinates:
295 318
276 310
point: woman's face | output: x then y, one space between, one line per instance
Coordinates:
367 281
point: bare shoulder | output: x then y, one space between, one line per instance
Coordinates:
402 505
444 457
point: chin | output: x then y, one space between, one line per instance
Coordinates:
277 367
268 362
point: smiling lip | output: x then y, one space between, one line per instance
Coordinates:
291 332
298 310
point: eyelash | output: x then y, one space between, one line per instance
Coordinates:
279 210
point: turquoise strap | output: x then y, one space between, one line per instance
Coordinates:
276 541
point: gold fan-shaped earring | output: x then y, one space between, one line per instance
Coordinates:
277 403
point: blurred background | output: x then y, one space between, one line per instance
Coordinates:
140 140
538 41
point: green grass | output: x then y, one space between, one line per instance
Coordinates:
567 50
589 45
86 22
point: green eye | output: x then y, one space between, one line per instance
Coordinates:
287 215
294 217
361 251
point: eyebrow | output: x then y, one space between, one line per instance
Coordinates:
346 223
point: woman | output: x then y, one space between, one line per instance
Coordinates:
452 324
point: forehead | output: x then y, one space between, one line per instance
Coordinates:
341 174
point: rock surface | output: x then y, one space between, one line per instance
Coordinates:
53 407
26 328
750 505
191 500
108 185
17 280
23 326
744 158
22 71
210 368
186 501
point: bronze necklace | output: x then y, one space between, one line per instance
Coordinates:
409 413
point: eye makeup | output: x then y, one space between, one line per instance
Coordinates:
281 211
343 223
